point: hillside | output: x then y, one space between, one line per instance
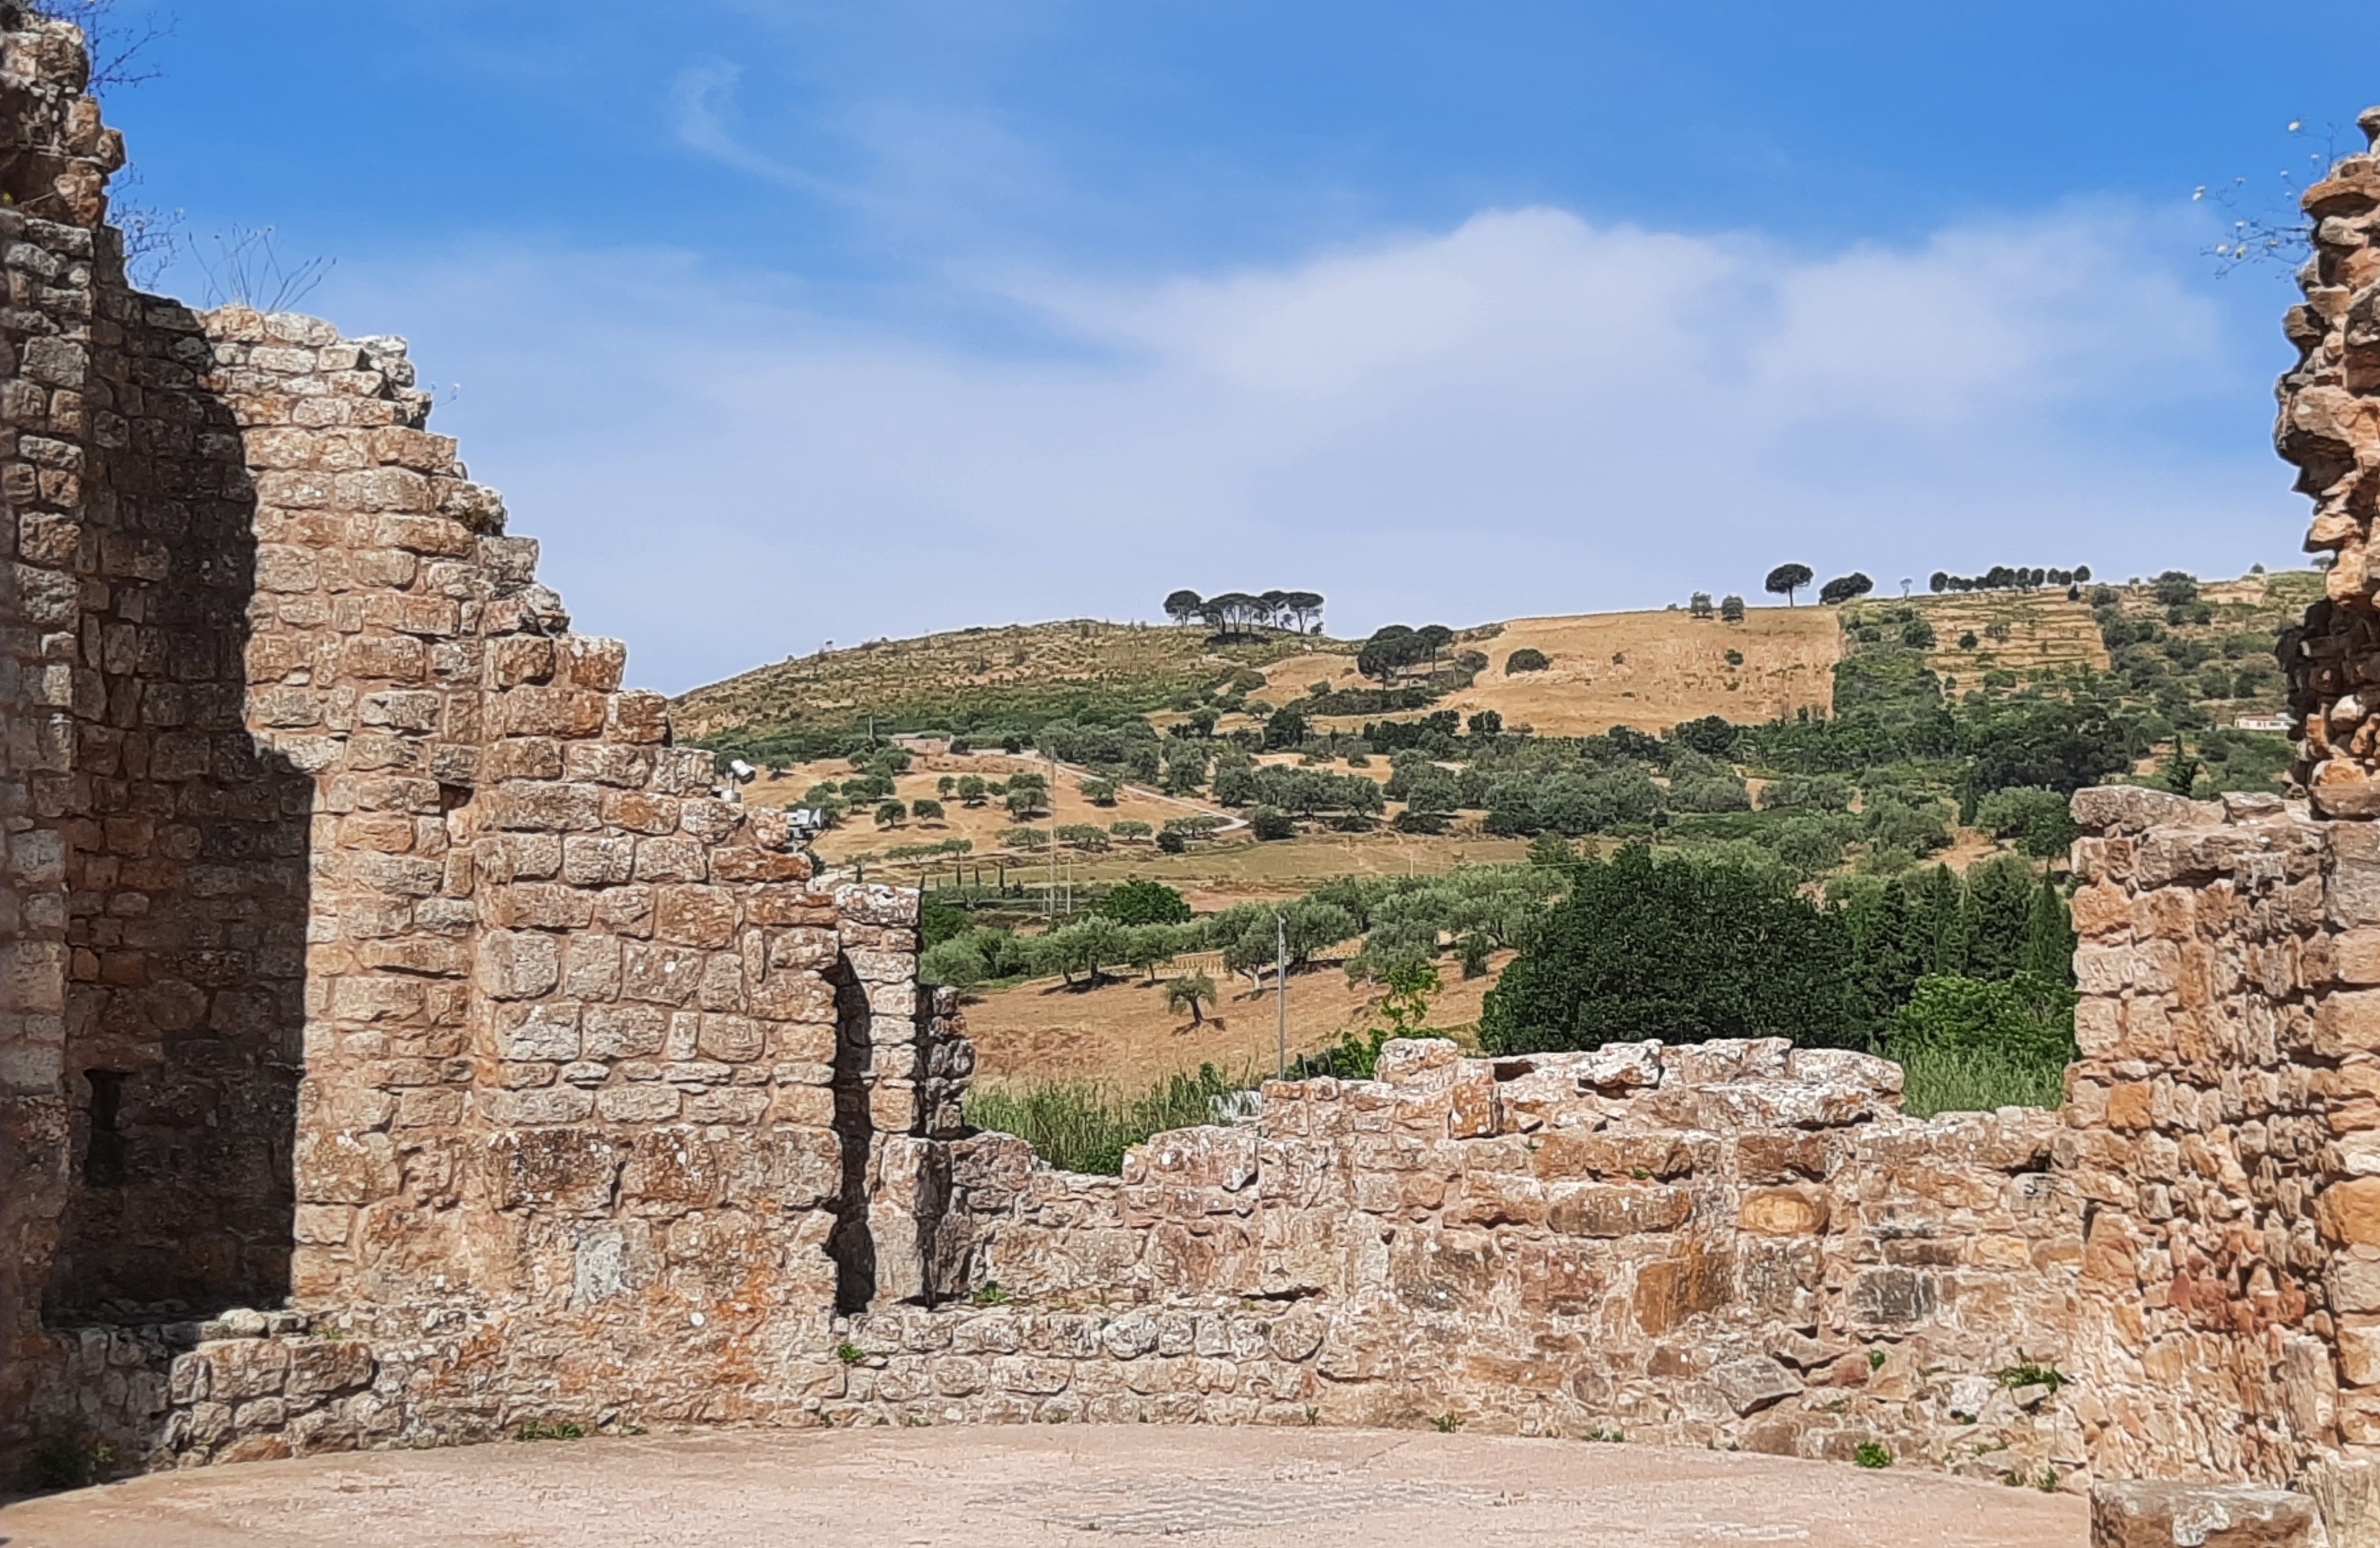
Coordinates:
1647 669
988 682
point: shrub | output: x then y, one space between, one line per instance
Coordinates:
954 962
2026 1016
1710 794
1731 609
1684 949
1271 822
1967 640
1895 824
1820 792
1170 841
926 809
1142 901
1525 659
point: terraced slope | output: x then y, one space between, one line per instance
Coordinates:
2020 632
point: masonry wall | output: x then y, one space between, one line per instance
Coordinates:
1723 1244
2221 1110
365 942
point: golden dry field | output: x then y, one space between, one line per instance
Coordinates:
1120 1034
859 835
1646 670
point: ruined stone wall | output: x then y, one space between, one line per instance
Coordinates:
1724 1244
152 933
365 942
2329 426
2226 1084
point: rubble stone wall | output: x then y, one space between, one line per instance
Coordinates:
2329 426
2221 1111
1722 1244
365 941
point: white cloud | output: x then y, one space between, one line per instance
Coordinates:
701 97
1528 413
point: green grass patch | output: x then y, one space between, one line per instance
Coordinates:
1941 1080
1080 1126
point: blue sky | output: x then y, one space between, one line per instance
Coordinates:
781 322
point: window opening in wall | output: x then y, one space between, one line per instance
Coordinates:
102 1158
852 1242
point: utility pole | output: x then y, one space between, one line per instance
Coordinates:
1280 997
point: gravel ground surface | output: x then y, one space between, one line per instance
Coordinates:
990 1488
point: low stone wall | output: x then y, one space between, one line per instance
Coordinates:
1729 1244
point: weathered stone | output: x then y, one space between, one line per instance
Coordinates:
2202 1515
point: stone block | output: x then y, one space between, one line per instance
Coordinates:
1750 1385
2202 1515
517 964
2348 1212
544 1105
649 1102
1783 1211
1418 1064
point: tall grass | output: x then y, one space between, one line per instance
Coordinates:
1081 1126
1940 1080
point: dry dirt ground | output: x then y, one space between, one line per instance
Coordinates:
1121 1035
1646 669
1001 1488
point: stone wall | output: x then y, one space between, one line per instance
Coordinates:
366 942
2329 426
2227 1133
1722 1244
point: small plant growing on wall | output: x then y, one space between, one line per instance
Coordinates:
1871 1454
849 1352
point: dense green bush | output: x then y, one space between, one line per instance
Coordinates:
1682 949
1525 659
1142 901
1723 945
